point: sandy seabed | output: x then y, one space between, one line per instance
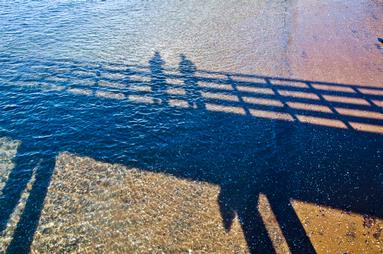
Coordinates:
96 207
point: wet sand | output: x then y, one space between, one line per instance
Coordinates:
337 41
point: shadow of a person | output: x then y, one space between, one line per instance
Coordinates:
237 199
187 68
158 80
234 158
241 200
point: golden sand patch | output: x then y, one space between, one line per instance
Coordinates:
94 207
335 231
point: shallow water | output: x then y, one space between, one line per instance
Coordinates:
223 35
84 77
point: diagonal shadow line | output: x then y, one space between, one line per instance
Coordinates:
29 220
15 185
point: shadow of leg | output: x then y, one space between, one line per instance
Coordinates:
231 200
29 220
254 229
290 224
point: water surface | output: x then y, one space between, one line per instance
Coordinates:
126 82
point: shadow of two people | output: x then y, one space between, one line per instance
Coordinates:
245 156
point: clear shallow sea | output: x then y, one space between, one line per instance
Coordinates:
84 77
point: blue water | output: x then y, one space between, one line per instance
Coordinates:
220 35
61 63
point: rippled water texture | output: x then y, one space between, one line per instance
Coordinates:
279 98
129 31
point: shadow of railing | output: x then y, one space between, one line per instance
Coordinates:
354 107
314 141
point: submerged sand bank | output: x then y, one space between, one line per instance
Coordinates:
109 208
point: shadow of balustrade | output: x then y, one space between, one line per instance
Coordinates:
354 107
255 142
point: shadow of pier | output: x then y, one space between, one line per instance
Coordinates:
318 142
